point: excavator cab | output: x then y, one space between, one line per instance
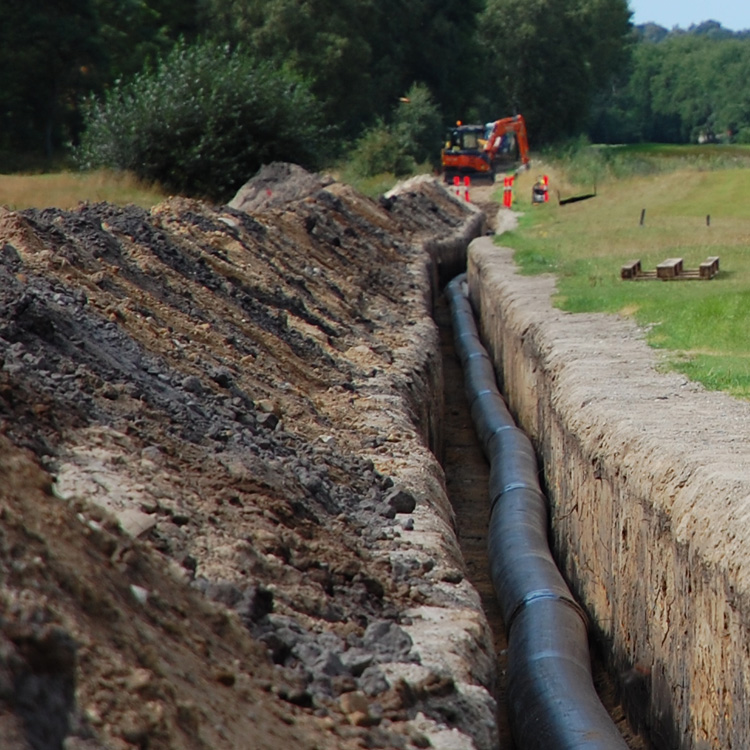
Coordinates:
464 153
466 137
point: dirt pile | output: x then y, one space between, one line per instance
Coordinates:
213 451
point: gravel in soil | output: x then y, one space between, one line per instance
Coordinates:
197 470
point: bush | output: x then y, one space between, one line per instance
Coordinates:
419 124
203 122
412 138
381 150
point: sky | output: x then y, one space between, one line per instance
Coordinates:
731 14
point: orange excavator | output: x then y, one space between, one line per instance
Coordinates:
478 150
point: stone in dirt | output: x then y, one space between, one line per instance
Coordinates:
161 519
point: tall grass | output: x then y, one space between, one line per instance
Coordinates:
701 326
66 189
372 187
585 163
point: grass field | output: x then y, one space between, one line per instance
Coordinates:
66 189
690 212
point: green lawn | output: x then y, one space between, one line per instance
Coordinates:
702 324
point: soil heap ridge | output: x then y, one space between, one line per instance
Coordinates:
220 523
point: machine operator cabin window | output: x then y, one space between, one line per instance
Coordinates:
470 139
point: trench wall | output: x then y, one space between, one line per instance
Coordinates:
445 621
648 480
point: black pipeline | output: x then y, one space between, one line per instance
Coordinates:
553 703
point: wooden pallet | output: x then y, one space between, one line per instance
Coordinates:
670 269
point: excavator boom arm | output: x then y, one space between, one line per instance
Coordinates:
516 125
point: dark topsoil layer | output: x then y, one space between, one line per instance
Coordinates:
196 372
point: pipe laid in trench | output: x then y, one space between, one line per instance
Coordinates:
553 702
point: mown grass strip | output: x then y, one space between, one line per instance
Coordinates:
700 325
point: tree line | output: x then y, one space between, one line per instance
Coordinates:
198 93
678 86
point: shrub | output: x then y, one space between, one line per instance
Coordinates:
412 138
203 122
419 124
381 150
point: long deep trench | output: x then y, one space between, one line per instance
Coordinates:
467 476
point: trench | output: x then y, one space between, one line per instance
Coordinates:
467 476
467 473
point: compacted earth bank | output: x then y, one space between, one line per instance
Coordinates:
221 525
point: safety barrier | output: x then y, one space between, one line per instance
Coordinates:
457 187
552 700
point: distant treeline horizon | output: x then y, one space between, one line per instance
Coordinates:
572 67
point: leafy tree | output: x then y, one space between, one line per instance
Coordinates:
409 140
48 54
438 46
624 112
548 58
711 29
688 85
380 151
731 63
55 52
418 123
178 19
324 41
137 32
361 55
677 96
652 32
203 121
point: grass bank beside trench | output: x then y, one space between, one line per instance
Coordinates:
702 326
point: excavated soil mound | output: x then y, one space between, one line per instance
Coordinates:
277 184
209 423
